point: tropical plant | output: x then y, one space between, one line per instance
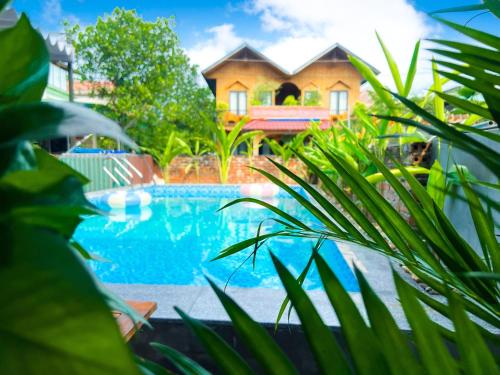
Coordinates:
174 147
285 151
375 348
197 147
225 144
55 317
252 146
431 249
346 141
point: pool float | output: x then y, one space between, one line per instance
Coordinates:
259 190
131 214
124 199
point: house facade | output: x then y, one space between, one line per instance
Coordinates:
280 102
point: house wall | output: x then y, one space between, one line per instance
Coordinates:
322 76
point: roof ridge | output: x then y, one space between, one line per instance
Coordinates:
288 73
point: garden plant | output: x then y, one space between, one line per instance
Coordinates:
55 317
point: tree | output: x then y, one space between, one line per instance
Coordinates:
153 85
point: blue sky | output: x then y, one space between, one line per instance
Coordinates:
288 31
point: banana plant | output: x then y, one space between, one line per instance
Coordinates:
251 147
285 151
225 144
174 147
197 147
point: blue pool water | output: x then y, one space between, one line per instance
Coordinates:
173 240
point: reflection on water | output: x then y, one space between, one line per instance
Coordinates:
173 240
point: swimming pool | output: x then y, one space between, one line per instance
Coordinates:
173 240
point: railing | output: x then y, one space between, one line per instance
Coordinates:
106 171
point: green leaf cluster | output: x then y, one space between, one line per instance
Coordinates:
153 86
54 316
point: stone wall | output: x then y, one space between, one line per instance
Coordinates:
183 171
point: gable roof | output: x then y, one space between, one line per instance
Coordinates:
329 55
336 52
245 47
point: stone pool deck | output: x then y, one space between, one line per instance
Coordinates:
263 304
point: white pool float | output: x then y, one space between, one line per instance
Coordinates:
259 190
123 199
127 215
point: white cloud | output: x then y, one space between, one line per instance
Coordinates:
222 40
302 29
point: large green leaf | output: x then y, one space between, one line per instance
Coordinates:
360 338
185 365
465 8
268 354
412 70
327 352
481 36
476 358
24 64
40 121
484 226
438 101
435 356
493 56
466 105
228 360
53 319
436 184
347 204
334 213
368 74
396 76
4 3
19 156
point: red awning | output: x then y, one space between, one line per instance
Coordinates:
291 126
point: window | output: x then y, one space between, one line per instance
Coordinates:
338 102
57 77
266 98
238 102
311 98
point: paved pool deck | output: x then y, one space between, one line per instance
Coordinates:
263 304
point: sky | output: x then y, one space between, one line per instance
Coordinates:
290 32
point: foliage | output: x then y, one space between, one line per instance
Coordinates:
173 147
285 151
225 144
153 86
365 131
432 249
377 348
290 100
196 148
55 317
251 147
